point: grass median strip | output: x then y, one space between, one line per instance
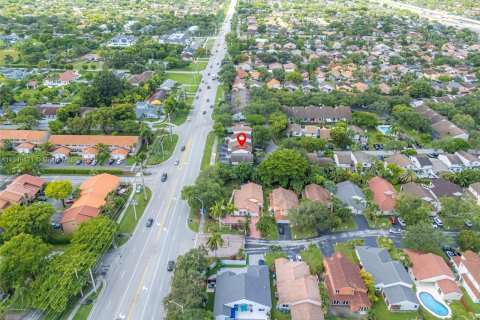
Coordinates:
168 148
128 223
207 152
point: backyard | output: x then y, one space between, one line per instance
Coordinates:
348 249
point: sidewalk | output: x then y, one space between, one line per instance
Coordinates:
214 151
85 297
129 200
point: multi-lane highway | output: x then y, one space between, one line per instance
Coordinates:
440 16
137 279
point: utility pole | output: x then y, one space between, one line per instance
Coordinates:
93 280
170 125
134 204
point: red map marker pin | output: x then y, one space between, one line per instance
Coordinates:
241 138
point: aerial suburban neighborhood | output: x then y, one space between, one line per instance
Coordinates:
243 159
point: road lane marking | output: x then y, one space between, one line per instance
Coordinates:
137 292
123 273
133 250
184 155
165 216
110 301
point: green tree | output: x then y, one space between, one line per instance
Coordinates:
215 241
22 257
451 145
33 219
283 167
310 144
261 135
294 76
278 122
469 240
108 86
104 118
243 171
364 119
421 237
421 89
411 209
340 136
263 224
256 120
58 190
370 284
312 214
55 127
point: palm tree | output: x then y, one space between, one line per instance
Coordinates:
246 224
215 241
408 176
217 211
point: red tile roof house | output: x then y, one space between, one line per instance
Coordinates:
298 290
22 190
280 201
344 285
247 200
384 194
316 193
431 270
467 267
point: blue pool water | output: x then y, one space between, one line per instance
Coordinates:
385 130
432 304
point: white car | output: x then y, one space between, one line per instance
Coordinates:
438 221
401 222
395 231
176 162
119 161
299 257
188 119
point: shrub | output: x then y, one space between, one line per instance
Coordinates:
60 238
116 172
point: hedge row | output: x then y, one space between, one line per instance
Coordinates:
116 172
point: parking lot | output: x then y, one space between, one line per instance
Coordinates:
84 165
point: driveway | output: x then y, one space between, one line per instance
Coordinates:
361 222
287 234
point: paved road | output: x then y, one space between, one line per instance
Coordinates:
136 279
435 15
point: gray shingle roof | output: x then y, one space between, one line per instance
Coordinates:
253 285
348 192
398 294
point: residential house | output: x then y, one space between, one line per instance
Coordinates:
311 131
318 194
429 269
17 137
32 84
444 188
345 286
119 153
467 268
325 134
139 79
22 190
280 201
240 153
93 195
240 99
474 192
298 290
49 112
62 79
90 153
244 295
351 196
390 277
384 194
400 160
362 160
452 161
420 191
294 130
423 166
343 159
316 114
145 110
122 41
441 126
25 147
61 153
78 143
274 84
248 200
468 159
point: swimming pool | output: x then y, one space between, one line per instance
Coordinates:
385 130
433 305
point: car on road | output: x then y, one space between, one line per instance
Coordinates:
197 97
164 177
111 161
208 100
468 223
208 87
438 221
204 112
401 222
211 106
298 257
188 119
78 162
41 198
182 148
395 231
149 222
138 189
281 230
176 162
211 66
55 225
170 265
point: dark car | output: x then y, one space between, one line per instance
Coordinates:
182 148
78 162
204 112
432 155
281 230
55 225
57 161
149 222
111 161
170 265
42 198
164 177
330 146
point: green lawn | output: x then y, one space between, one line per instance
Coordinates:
219 95
193 220
313 257
375 136
272 233
209 44
72 159
271 257
24 92
180 117
194 66
348 249
276 314
212 226
128 223
302 234
84 310
157 157
381 312
5 52
185 78
210 301
474 306
207 152
349 225
380 223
